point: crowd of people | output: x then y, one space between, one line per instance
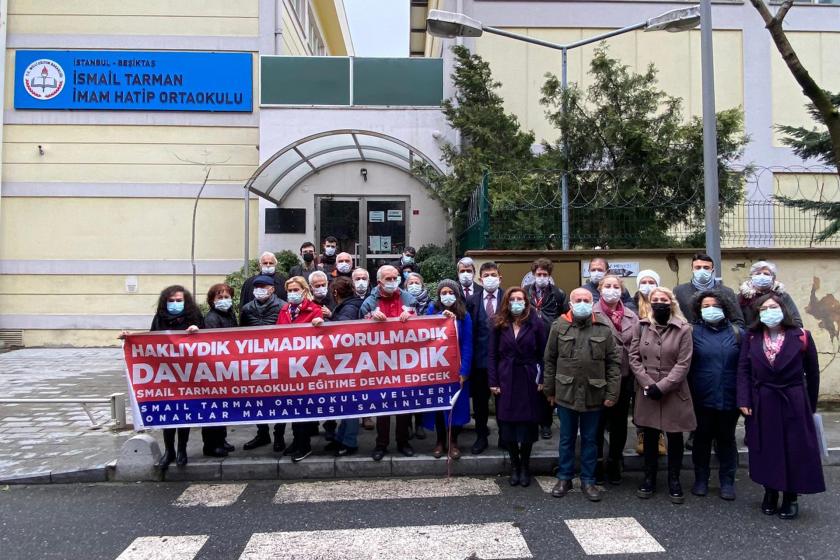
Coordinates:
689 360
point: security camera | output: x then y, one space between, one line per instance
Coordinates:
364 173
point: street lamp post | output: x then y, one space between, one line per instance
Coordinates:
450 25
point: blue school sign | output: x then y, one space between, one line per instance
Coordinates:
133 81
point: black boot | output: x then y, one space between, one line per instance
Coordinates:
648 485
614 472
169 448
183 438
770 503
525 459
600 478
515 464
675 490
790 506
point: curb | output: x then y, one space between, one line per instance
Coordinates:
360 466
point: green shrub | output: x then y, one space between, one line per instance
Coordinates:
436 268
432 250
286 260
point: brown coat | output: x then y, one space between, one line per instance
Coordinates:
662 357
624 338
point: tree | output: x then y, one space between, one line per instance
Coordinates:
824 105
491 139
635 165
807 144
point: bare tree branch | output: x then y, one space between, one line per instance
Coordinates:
818 96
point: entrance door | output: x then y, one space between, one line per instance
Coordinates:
372 229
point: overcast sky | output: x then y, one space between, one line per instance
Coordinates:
379 27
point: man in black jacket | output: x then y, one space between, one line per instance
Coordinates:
326 261
263 310
598 268
307 254
268 267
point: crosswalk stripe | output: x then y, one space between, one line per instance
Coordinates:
164 548
613 535
430 542
384 489
210 495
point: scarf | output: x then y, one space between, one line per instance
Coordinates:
772 348
615 315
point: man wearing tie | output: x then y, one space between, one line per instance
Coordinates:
485 304
466 275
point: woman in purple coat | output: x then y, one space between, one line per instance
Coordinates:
515 374
778 386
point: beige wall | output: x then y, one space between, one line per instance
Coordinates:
818 53
800 272
521 67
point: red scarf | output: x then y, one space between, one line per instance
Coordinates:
615 315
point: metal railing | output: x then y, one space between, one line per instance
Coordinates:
116 402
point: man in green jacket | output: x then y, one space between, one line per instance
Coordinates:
582 375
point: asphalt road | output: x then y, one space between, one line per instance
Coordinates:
103 520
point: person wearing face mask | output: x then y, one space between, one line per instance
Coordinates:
300 310
319 285
703 274
385 301
466 279
714 367
414 286
548 302
263 310
176 311
598 268
778 388
450 304
343 266
220 316
310 264
621 321
268 267
361 282
646 281
486 303
582 377
515 373
326 261
406 264
660 356
762 281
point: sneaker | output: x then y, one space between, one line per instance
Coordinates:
345 450
545 432
301 454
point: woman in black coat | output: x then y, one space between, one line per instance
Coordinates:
176 311
220 316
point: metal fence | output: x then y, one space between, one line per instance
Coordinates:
629 209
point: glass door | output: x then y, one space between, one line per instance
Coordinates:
372 229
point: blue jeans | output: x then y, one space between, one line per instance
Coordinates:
570 420
348 432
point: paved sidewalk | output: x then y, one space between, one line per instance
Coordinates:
55 443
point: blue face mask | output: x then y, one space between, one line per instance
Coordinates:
223 304
762 281
407 260
582 309
517 307
712 314
295 297
415 289
405 274
175 307
702 275
448 300
772 317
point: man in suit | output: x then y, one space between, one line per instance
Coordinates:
485 304
466 278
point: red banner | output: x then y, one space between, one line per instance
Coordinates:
291 373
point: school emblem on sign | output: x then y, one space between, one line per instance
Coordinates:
43 79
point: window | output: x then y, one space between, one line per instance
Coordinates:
299 6
313 37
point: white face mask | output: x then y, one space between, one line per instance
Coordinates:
390 287
261 294
223 304
320 292
541 281
596 276
329 251
361 286
268 269
646 289
611 295
343 267
465 278
491 283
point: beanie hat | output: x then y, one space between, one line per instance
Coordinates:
649 274
452 285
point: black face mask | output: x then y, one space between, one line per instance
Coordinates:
661 312
308 257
